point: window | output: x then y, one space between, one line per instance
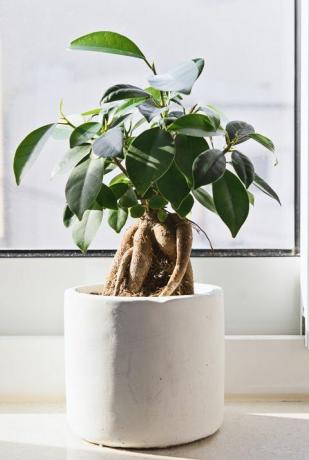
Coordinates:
249 73
249 48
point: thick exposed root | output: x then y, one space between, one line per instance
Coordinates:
141 256
183 251
153 259
125 261
125 244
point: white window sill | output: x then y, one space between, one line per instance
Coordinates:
255 430
32 367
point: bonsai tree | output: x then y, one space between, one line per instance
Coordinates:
144 153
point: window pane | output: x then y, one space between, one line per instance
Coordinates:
249 74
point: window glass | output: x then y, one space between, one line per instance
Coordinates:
249 73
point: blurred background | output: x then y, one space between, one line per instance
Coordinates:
248 47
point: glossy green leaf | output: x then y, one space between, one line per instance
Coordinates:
150 110
119 121
129 105
157 202
251 198
106 198
173 185
71 158
263 140
149 157
264 187
120 178
92 112
107 42
231 201
239 131
110 144
119 189
195 124
155 93
117 219
123 91
67 216
243 167
181 78
208 167
205 199
128 199
84 185
84 133
137 211
188 148
185 208
29 149
162 215
85 230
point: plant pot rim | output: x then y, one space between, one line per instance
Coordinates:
90 291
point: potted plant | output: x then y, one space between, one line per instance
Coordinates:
144 352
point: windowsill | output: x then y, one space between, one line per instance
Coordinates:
255 430
32 367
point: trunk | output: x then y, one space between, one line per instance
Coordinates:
153 259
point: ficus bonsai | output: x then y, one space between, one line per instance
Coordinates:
159 154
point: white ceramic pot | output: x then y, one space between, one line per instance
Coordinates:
144 371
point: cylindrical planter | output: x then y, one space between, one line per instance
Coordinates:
144 371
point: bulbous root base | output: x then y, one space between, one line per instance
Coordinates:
153 259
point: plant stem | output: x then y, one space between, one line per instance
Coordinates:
154 70
120 166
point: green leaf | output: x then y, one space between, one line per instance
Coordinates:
119 120
251 198
243 167
117 219
205 199
173 186
231 201
128 199
208 167
110 144
107 42
71 158
119 189
29 149
157 202
120 178
84 185
181 78
162 215
67 216
186 206
195 124
263 140
84 133
129 105
155 93
264 187
149 157
150 110
188 148
137 211
123 91
106 198
92 112
85 230
239 131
